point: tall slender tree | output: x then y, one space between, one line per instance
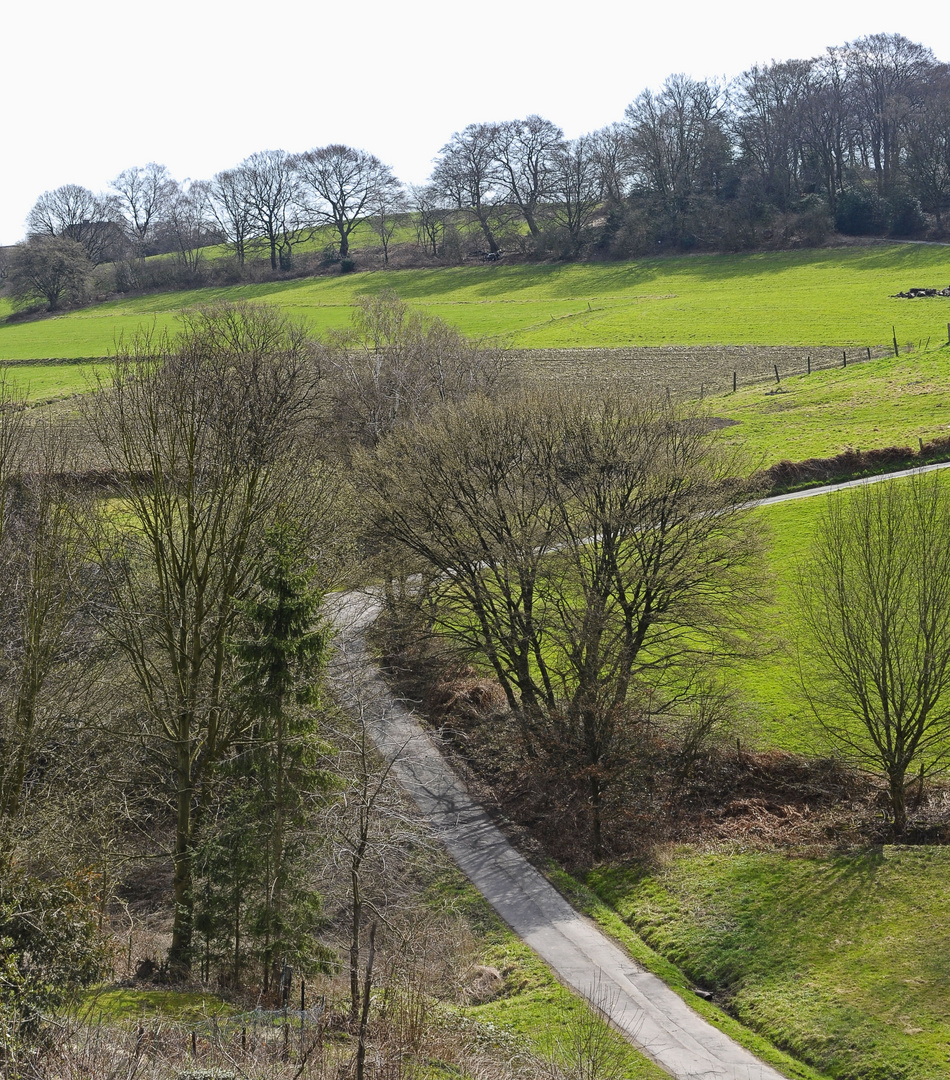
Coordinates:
202 435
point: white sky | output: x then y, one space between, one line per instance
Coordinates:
91 87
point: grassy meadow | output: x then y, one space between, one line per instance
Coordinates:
841 960
834 297
891 401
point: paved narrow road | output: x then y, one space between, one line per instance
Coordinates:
647 1011
651 1015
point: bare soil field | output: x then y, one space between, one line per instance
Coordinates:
690 371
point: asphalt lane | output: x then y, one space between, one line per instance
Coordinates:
654 1018
648 1012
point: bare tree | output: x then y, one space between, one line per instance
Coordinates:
591 553
76 213
612 147
888 77
340 186
231 207
269 180
48 656
202 437
394 365
678 145
466 174
827 123
188 223
525 153
768 101
51 268
875 598
928 150
428 207
385 213
145 195
577 187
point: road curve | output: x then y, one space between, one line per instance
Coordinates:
643 1007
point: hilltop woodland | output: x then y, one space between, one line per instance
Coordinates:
855 141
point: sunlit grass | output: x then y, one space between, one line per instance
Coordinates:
842 960
827 297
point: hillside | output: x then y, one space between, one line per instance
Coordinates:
840 297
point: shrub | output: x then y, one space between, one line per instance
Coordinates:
861 212
49 947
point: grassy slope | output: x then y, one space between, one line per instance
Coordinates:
843 960
887 402
829 297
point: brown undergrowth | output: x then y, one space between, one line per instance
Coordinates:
659 792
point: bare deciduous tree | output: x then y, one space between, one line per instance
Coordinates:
51 268
525 153
592 553
875 597
145 195
270 185
78 214
428 206
577 186
230 204
187 225
466 175
394 365
340 186
202 436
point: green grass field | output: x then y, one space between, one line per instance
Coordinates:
883 403
826 297
844 961
50 382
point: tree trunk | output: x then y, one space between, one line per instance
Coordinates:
355 921
179 954
364 1013
898 796
486 229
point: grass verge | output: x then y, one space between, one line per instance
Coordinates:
842 960
533 1006
587 898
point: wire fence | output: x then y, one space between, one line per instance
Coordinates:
856 356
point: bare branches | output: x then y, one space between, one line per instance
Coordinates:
340 186
875 596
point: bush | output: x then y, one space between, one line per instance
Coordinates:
862 212
906 217
49 948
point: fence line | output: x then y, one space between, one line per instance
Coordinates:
862 356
